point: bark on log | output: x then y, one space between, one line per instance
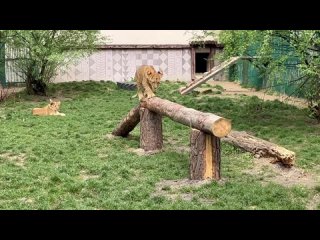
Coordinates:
206 122
128 123
151 138
205 156
260 147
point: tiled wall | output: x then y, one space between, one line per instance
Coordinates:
120 65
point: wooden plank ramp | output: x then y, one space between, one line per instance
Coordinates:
210 74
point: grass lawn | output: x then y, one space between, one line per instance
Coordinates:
72 163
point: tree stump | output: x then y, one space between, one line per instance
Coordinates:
151 138
205 156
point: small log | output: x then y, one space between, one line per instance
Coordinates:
151 138
206 122
128 123
260 147
205 156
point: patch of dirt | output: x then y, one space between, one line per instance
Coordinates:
175 145
133 137
181 183
314 202
26 200
141 152
109 136
103 155
233 89
179 149
85 176
177 196
170 189
15 89
279 174
18 160
5 93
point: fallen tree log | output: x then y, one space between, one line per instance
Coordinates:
260 147
206 122
128 123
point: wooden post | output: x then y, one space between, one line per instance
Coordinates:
210 64
205 156
150 130
193 63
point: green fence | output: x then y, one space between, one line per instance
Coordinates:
247 74
2 65
284 82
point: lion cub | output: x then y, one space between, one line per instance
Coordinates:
148 80
51 109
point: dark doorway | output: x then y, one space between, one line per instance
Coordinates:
201 62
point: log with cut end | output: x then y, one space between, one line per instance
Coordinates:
260 147
128 123
205 156
206 122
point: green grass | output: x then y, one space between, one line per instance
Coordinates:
69 163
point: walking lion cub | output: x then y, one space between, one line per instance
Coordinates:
148 80
52 109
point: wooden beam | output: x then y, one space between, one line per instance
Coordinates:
209 75
207 122
193 66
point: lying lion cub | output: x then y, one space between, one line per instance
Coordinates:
51 109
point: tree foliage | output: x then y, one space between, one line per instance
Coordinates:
38 54
302 51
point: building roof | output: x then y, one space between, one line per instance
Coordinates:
144 46
149 37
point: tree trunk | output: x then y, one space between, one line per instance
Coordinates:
128 123
29 86
205 156
40 87
260 147
36 87
206 122
150 130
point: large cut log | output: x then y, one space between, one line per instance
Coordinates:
260 147
150 130
205 156
128 123
206 122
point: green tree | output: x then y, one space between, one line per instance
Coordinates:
302 45
39 54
